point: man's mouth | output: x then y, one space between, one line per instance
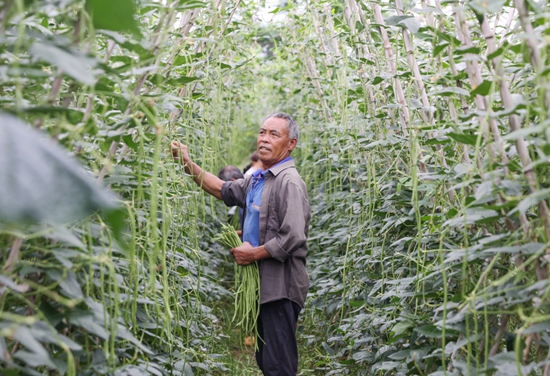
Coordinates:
263 148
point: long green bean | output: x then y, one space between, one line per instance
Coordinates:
247 287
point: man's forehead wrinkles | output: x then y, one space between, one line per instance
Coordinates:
267 129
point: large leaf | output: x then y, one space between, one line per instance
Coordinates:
43 333
72 63
412 24
473 215
34 354
483 89
191 4
409 22
113 15
484 6
430 331
85 319
463 138
451 90
39 182
532 199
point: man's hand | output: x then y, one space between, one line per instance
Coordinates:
180 153
243 254
246 254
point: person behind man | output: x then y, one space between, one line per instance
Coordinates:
276 224
231 173
254 164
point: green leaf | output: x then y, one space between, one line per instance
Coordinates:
328 349
125 42
427 9
483 89
430 331
72 63
467 50
523 132
400 355
484 6
39 182
463 138
71 114
395 20
474 215
191 4
183 80
412 24
45 334
113 15
401 327
376 80
499 51
363 356
124 333
532 199
62 234
34 354
506 364
537 328
525 249
8 282
388 366
85 320
439 48
450 91
70 286
131 370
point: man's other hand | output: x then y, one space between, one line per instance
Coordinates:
246 253
243 254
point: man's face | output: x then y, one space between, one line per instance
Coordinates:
274 145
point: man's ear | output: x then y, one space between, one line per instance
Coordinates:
292 144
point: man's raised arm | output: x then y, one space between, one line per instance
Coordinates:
208 182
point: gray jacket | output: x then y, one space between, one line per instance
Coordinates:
284 225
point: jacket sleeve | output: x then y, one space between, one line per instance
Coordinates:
234 192
293 216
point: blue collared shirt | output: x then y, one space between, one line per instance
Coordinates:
251 228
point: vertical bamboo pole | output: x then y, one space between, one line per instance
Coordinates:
419 83
311 69
369 53
353 15
482 103
398 88
534 49
521 146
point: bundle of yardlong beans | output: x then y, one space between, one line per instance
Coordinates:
247 287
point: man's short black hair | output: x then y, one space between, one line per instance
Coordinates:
229 173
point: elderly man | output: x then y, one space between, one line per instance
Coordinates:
276 222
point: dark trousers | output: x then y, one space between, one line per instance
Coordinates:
277 353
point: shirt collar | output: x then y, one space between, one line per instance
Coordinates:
259 171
